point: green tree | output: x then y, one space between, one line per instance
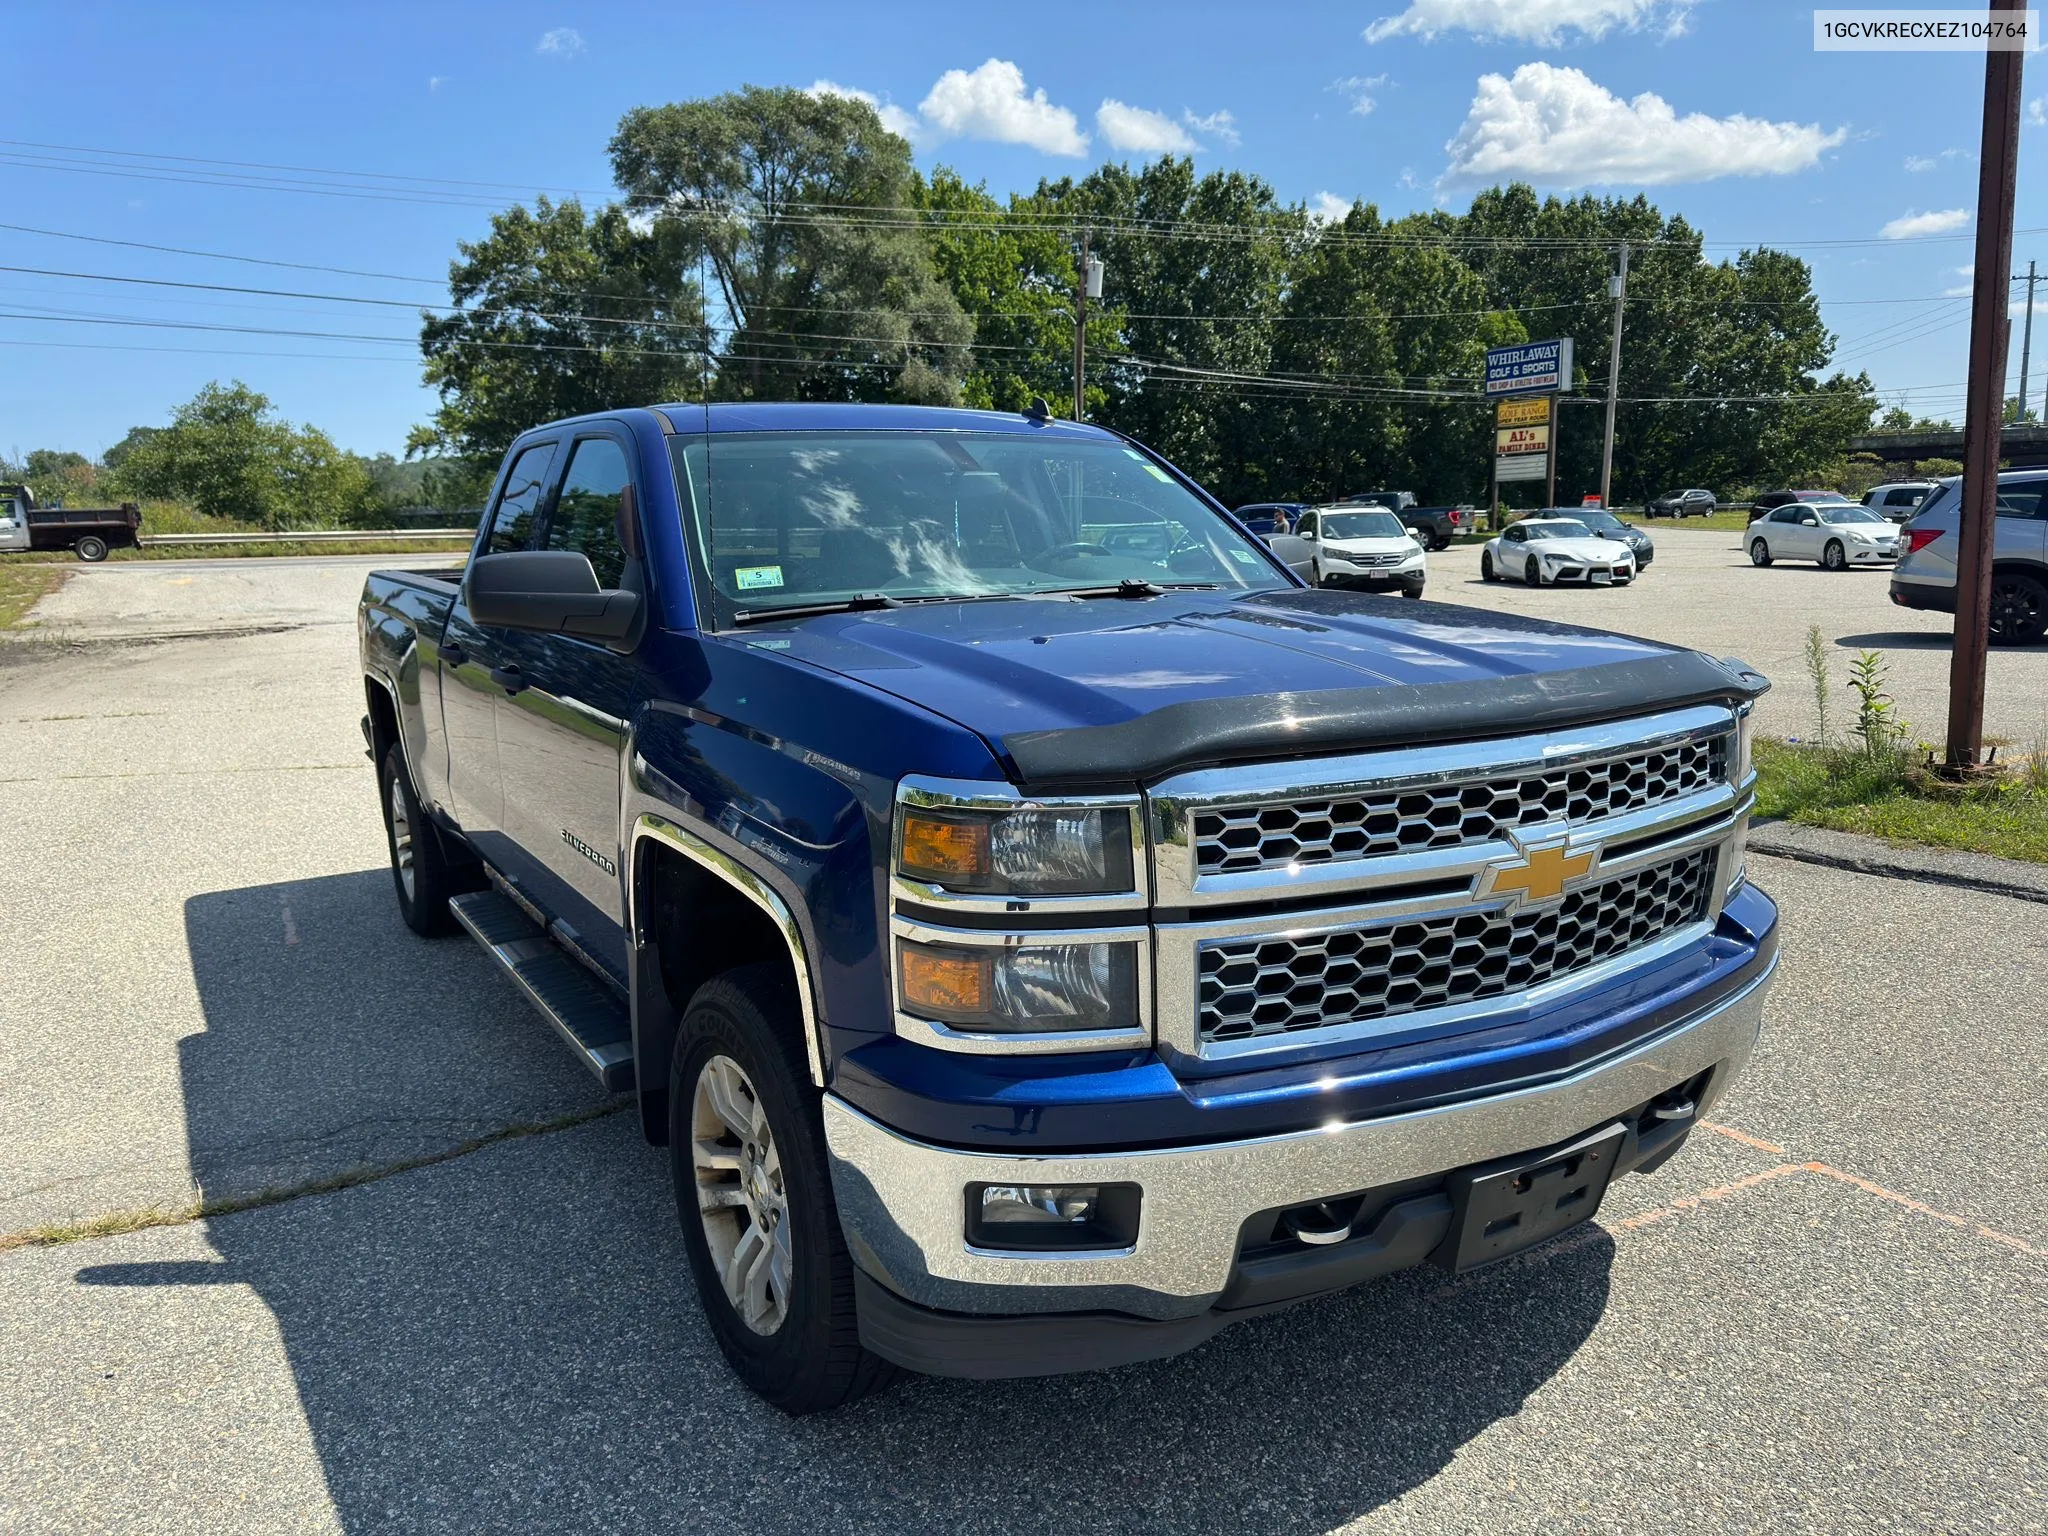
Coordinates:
1012 270
229 455
796 202
555 314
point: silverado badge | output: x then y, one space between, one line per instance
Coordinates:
1540 874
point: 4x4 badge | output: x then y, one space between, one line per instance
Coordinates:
1540 875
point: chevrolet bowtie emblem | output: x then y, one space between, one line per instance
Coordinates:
1540 875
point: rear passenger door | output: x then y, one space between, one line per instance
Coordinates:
2022 535
562 723
469 653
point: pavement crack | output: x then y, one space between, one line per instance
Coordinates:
113 1223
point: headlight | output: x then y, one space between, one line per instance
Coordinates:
1745 739
1035 989
1041 852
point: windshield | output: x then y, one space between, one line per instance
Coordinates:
1846 512
1562 528
1362 525
1603 522
798 519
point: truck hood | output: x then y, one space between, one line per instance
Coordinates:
1116 689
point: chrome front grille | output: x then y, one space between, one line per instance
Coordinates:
1233 839
1285 983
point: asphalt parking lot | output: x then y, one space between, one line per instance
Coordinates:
1701 591
1825 1315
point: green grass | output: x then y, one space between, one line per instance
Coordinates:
23 586
445 547
1844 790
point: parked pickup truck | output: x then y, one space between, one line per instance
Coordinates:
1041 930
87 532
1435 527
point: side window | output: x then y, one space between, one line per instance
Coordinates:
1791 512
2023 499
1307 526
512 518
586 515
1518 536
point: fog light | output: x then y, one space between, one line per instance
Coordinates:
1083 1218
1036 1204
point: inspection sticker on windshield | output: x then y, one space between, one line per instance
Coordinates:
753 578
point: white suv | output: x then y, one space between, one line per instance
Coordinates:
1900 499
1926 575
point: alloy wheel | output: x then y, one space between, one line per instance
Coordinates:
401 837
740 1194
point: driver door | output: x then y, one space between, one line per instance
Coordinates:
1514 553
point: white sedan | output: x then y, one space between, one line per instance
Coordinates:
1834 534
1544 551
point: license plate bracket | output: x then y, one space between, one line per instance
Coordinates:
1502 1208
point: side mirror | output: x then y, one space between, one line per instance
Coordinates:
549 591
1307 533
1809 522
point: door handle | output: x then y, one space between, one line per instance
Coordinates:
508 677
454 655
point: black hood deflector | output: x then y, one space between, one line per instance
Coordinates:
1205 733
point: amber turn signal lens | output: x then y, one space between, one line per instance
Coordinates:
934 845
943 981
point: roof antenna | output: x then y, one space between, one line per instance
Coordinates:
1038 410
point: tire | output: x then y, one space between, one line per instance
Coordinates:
1315 574
2019 608
1414 592
1486 570
1834 557
1532 573
1440 541
737 1059
92 548
1759 553
420 870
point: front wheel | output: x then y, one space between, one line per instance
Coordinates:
1834 557
1315 574
2019 608
1532 573
91 548
1486 570
419 863
1414 592
1440 541
755 1197
1759 552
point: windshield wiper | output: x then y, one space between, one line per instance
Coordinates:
1131 586
859 602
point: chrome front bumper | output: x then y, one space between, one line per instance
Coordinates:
903 1207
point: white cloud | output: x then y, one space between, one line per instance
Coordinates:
434 82
1360 89
1909 225
1918 163
1219 125
1543 22
1329 208
990 103
2037 111
902 123
1555 126
1145 133
563 42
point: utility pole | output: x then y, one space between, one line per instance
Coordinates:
1087 285
1618 287
1990 333
2026 344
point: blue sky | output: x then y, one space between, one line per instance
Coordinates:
1719 109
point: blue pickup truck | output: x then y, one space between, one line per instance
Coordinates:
1042 931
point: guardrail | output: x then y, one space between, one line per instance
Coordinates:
313 536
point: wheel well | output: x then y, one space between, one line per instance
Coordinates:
692 926
383 718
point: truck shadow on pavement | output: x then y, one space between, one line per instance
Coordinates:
509 1340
